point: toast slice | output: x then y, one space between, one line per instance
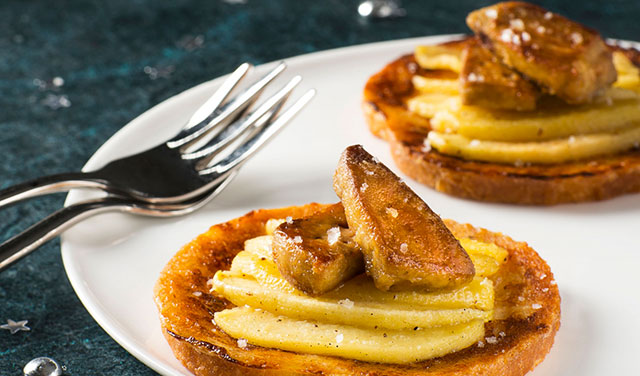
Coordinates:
384 105
564 57
526 319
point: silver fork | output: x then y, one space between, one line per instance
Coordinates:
53 225
173 178
181 168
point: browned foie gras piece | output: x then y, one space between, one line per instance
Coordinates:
486 82
405 244
317 253
563 57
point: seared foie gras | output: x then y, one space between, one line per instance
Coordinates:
486 82
565 58
405 244
316 254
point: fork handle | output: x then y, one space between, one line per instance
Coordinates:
33 237
49 184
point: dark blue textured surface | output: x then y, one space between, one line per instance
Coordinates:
119 58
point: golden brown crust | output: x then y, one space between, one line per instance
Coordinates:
592 180
564 57
522 340
308 260
486 82
405 244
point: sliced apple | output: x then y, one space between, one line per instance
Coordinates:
243 290
261 328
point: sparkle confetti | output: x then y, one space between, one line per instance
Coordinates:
43 366
14 327
55 102
190 42
53 84
159 72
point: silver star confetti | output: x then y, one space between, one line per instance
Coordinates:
14 327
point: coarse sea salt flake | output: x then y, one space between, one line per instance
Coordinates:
526 37
242 343
339 338
480 344
404 247
516 24
546 289
491 13
364 187
576 38
392 212
491 340
426 145
289 220
543 276
346 303
506 35
536 306
333 234
548 16
297 239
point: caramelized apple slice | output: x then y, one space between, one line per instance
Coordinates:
405 244
317 254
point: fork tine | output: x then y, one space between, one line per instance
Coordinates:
258 140
240 127
226 112
219 96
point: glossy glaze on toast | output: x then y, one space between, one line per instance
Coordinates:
385 95
527 312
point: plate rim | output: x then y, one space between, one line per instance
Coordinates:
90 303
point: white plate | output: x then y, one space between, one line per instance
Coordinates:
113 260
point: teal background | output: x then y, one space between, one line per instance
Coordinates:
101 49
